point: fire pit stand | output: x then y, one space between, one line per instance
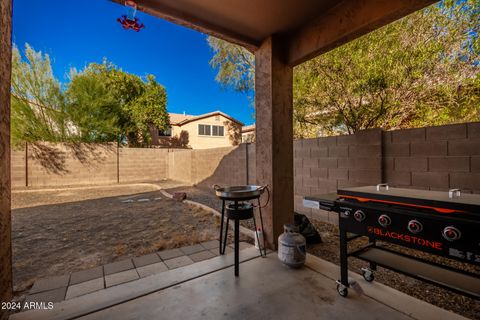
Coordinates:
239 208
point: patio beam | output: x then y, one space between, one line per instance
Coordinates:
346 21
160 10
5 204
274 134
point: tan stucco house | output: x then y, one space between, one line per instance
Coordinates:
210 130
248 134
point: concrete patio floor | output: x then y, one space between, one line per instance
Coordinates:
68 286
265 290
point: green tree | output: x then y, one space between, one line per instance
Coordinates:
420 70
149 110
38 106
107 102
406 74
235 65
92 107
101 103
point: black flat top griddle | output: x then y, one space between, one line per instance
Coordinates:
437 200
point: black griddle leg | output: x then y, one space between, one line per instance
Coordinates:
343 259
373 265
237 244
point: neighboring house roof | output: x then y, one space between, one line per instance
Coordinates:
176 118
189 118
250 128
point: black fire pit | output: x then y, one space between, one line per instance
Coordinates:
235 201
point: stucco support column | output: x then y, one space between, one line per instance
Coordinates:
274 134
5 210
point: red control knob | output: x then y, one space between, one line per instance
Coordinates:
359 215
384 220
451 233
414 226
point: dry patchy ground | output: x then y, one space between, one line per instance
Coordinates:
61 231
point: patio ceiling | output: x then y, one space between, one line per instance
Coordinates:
308 27
245 21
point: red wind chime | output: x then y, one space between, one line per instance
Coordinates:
129 21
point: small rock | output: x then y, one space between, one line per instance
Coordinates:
179 196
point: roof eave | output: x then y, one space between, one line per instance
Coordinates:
207 115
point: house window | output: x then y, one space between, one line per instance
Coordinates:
204 130
217 131
165 133
208 130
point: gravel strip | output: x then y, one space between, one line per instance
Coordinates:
329 250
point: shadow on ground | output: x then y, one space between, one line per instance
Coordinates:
50 240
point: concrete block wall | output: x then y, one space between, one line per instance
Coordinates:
251 165
323 165
180 165
46 165
142 164
222 166
60 165
433 158
18 168
206 167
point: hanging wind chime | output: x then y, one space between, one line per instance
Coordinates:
129 21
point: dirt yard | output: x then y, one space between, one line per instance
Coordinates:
329 250
61 231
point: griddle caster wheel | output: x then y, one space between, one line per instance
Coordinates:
342 290
368 274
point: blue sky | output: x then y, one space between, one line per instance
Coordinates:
75 33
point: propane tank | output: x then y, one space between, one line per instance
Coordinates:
291 247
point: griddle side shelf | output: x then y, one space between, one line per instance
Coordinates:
455 280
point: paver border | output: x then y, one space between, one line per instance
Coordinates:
98 300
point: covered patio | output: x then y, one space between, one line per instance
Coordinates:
281 34
265 290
